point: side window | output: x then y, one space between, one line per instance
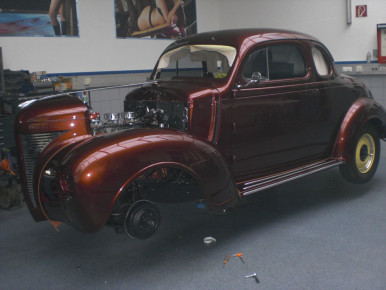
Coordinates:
276 62
256 62
321 64
286 61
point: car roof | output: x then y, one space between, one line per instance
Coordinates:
241 38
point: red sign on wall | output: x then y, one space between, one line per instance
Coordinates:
361 10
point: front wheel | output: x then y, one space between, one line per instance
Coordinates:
362 167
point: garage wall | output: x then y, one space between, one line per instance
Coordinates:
325 19
97 48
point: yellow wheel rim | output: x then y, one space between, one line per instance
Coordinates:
365 153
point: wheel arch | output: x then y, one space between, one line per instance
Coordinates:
379 125
120 158
363 111
159 166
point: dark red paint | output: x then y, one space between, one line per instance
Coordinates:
235 133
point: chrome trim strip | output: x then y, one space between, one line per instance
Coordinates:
265 183
290 172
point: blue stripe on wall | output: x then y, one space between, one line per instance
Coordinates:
150 70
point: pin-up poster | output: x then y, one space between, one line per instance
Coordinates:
38 18
155 18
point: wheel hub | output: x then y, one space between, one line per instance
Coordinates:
142 220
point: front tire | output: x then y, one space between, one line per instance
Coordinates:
362 167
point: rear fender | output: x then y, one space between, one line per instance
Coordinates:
97 172
364 110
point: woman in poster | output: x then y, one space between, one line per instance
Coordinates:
159 12
56 7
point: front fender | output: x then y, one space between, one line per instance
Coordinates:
363 110
97 172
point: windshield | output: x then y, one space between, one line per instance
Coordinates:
211 61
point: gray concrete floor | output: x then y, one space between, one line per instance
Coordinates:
319 232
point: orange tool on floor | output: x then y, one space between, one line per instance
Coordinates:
240 256
225 260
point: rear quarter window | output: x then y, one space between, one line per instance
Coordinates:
320 61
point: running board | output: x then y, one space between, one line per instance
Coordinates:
276 179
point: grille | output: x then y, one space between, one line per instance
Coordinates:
32 146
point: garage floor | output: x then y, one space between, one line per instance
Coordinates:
319 232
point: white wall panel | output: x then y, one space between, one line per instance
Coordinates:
97 48
324 19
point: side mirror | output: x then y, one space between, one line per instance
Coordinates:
255 79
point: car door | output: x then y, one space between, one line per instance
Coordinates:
278 113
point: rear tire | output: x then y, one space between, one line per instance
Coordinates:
362 167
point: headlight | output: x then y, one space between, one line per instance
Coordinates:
50 171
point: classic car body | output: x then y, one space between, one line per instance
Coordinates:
224 115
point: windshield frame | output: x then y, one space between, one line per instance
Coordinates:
228 52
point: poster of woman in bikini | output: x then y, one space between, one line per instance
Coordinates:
38 18
155 18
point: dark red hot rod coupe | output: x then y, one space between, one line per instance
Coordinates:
225 114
